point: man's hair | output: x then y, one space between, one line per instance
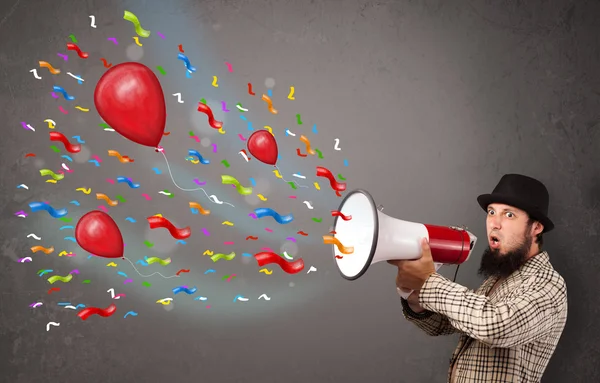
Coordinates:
539 239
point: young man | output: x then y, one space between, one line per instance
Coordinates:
510 326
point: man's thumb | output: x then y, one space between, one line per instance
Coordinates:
425 247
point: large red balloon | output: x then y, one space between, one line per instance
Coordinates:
263 146
97 233
130 99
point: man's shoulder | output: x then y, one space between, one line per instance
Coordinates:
544 276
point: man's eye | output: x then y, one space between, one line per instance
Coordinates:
509 214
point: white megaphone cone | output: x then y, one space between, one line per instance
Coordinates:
369 236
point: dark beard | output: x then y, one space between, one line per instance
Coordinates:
495 264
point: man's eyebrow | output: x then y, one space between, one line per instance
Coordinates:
504 210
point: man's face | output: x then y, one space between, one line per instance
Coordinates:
510 237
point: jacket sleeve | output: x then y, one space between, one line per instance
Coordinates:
520 320
433 324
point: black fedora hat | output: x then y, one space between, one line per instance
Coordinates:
522 192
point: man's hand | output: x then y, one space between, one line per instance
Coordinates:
413 274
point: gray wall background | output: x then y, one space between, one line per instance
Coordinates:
433 101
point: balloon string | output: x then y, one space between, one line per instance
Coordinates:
213 198
146 276
302 186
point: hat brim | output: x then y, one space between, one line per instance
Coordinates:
485 199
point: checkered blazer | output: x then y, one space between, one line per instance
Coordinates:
508 336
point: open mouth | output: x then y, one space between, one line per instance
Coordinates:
494 241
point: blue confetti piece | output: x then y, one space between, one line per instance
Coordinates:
64 303
128 181
250 125
72 239
79 139
79 305
267 212
194 210
209 271
79 82
236 297
345 162
132 313
156 170
253 182
186 61
122 274
66 227
195 153
20 186
270 92
180 289
243 117
37 206
181 241
89 256
76 203
67 158
187 74
60 90
143 263
246 255
95 162
314 129
130 219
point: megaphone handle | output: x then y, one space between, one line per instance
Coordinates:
406 293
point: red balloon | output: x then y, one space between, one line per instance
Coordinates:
263 146
130 99
97 233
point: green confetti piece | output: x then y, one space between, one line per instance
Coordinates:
203 101
136 23
317 219
66 219
319 153
224 162
192 133
168 193
147 284
120 198
227 276
106 127
55 149
298 118
86 281
148 244
161 70
227 257
293 185
229 180
73 39
341 177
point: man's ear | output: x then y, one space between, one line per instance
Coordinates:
537 228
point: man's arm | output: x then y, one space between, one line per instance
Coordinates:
507 324
431 323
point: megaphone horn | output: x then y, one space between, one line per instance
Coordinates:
367 236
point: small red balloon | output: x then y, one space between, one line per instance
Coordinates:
130 100
263 146
97 233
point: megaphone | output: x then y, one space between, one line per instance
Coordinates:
366 236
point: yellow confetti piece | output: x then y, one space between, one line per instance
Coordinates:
221 130
208 252
214 83
157 215
165 301
51 181
84 190
227 223
195 161
51 123
137 41
82 109
276 172
112 264
266 271
317 186
291 95
262 197
269 129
